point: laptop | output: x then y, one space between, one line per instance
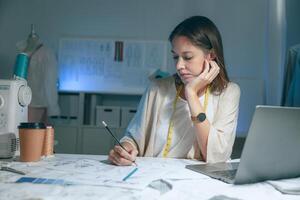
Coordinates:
271 149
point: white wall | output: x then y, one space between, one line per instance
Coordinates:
293 24
96 18
244 26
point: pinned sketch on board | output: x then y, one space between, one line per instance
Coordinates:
109 66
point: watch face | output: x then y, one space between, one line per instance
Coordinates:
201 117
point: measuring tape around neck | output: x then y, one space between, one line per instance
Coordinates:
171 124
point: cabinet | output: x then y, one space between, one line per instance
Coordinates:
97 141
66 138
77 129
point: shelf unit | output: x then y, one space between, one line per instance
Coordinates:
76 130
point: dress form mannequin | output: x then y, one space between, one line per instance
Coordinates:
33 42
42 77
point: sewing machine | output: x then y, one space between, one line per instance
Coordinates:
15 96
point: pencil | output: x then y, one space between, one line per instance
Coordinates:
9 169
130 174
116 139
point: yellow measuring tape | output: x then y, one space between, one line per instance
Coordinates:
171 124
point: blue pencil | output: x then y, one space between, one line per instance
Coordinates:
130 174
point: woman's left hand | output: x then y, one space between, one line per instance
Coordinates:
210 72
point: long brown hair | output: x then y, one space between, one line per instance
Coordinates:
203 33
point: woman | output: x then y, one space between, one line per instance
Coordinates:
192 114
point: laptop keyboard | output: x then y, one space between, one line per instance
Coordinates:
229 174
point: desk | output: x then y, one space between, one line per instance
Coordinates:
93 178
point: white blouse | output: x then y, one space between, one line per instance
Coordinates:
148 130
183 131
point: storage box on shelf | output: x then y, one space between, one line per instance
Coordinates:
127 113
109 114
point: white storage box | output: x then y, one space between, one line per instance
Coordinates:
127 114
109 114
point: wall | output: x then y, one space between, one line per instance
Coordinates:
94 18
293 25
244 26
243 37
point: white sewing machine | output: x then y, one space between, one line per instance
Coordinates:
15 97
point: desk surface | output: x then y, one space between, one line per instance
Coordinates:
91 177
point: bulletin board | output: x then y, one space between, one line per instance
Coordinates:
107 65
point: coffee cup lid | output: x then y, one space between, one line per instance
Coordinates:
32 125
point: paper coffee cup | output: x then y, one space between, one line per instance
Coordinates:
31 141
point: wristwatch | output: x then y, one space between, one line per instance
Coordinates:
199 118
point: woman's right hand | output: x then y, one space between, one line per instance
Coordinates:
119 156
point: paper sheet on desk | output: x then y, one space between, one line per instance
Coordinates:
80 171
88 171
94 172
212 189
82 192
149 170
287 186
